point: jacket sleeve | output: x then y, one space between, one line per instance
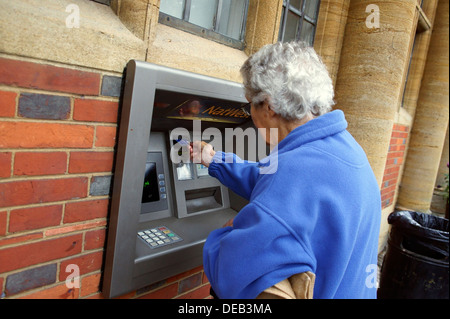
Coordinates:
238 175
257 252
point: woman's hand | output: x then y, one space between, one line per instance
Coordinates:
202 152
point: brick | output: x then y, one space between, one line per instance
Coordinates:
45 135
20 239
205 279
199 293
89 162
74 228
396 148
48 77
7 104
30 279
151 287
3 223
386 184
105 136
391 170
100 185
167 292
86 264
389 189
390 162
388 196
189 283
42 191
95 111
90 284
391 177
99 295
94 239
400 128
111 86
386 203
401 135
395 154
5 165
18 257
395 141
86 210
43 106
57 292
36 163
34 218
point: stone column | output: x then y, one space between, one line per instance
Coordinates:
373 65
430 122
263 24
330 33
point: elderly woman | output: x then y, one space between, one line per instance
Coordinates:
311 227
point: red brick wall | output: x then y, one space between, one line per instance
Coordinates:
57 135
394 162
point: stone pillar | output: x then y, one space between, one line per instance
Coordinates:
372 69
330 33
263 24
430 122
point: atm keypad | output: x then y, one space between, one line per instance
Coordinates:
158 236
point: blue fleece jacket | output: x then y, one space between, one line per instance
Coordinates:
319 211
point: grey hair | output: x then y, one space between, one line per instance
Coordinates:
292 77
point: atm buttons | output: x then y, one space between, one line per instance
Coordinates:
158 237
162 184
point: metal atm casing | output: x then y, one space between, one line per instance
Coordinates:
129 263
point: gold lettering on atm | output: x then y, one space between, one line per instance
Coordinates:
229 112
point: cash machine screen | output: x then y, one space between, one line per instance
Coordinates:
151 188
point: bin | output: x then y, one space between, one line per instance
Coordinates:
415 265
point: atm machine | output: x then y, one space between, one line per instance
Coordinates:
163 209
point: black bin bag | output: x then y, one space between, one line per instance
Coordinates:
415 265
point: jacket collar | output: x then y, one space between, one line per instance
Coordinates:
323 126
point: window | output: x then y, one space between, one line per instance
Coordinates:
107 2
219 20
423 25
299 20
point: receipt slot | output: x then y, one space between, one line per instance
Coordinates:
162 209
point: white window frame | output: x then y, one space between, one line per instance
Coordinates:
287 7
211 34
